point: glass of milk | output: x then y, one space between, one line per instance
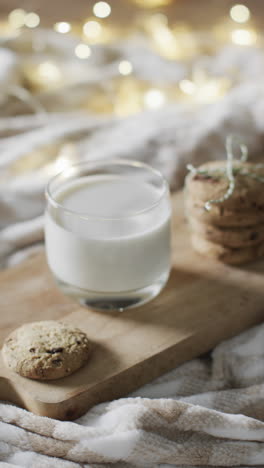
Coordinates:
107 232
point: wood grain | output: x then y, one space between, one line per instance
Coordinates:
203 303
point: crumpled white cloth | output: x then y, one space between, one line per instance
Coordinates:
167 139
209 411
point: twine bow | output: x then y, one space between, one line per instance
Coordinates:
229 171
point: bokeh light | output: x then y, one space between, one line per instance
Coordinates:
125 67
152 3
244 37
16 18
187 87
240 13
82 51
32 20
102 9
49 71
154 98
92 29
62 27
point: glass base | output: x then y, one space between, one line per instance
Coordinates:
114 301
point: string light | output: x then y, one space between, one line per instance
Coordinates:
240 13
125 67
16 18
82 51
62 27
154 98
204 88
102 9
172 41
92 29
49 71
187 87
165 40
244 37
32 20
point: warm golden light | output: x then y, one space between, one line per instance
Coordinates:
61 164
82 51
67 156
203 88
210 91
62 27
49 71
92 29
102 9
129 97
32 20
154 98
165 41
187 86
16 18
125 67
240 13
157 19
152 3
244 37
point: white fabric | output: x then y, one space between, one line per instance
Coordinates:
168 139
190 417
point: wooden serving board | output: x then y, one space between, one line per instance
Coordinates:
203 303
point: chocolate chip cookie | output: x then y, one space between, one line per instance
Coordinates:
46 350
232 256
213 184
228 236
221 216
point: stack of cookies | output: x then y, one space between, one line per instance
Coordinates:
230 230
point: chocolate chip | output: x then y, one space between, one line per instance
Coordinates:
54 350
78 341
254 236
32 350
201 177
206 177
215 180
56 362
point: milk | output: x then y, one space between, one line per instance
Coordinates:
110 234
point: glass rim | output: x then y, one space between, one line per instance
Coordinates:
104 162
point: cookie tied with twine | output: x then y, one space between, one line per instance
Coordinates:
224 205
234 185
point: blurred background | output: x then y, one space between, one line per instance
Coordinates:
141 54
162 81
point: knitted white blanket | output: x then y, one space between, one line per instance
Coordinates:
207 412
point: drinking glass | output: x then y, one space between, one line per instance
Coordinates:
107 232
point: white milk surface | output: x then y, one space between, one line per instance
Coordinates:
112 242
